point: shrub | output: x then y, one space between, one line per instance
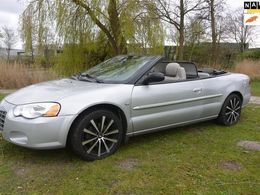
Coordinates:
253 54
16 75
250 68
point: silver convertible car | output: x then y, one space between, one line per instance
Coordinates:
95 111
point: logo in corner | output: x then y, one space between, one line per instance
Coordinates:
252 13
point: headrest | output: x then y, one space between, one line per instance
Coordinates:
171 69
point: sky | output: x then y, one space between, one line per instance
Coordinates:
11 9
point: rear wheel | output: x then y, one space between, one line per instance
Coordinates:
231 110
96 135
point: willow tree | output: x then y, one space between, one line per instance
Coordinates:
195 33
27 31
144 31
85 21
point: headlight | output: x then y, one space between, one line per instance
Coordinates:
32 111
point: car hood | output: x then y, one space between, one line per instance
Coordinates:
51 91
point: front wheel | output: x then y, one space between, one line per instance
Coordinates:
96 135
231 110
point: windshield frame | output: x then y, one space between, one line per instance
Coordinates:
137 74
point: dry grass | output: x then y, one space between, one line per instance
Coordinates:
249 67
16 75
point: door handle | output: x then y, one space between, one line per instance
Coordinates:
197 90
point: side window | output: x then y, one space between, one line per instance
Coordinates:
160 67
190 69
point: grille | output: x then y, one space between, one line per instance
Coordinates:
2 119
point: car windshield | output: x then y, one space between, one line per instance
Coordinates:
118 69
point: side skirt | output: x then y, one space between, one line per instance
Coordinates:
170 126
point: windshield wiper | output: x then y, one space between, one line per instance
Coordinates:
87 77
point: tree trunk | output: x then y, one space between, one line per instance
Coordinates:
192 50
32 53
181 31
116 28
8 54
213 34
102 27
243 38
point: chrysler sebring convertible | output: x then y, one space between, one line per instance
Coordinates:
95 111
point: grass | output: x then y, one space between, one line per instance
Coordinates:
255 88
1 96
185 160
16 75
250 68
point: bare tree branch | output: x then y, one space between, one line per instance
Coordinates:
9 39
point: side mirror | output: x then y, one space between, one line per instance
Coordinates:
154 77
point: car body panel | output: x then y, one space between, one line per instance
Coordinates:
225 86
154 106
39 133
51 91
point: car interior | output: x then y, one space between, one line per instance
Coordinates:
181 71
176 71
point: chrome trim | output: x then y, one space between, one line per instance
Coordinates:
171 125
175 102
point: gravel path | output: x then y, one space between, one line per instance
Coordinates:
255 100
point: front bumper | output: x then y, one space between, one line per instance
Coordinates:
39 133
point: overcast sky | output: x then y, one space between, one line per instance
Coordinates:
11 9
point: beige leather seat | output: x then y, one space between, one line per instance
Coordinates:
174 72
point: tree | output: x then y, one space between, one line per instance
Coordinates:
28 28
1 36
9 39
116 19
114 34
175 14
147 30
238 31
214 15
195 33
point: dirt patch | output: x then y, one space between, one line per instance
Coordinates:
230 165
249 145
128 164
255 100
21 172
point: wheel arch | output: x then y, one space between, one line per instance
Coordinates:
104 106
233 92
221 119
238 94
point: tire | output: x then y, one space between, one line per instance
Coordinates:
230 111
96 135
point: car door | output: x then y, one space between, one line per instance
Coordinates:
214 89
164 105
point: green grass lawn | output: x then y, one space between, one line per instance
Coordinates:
1 96
187 160
255 88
